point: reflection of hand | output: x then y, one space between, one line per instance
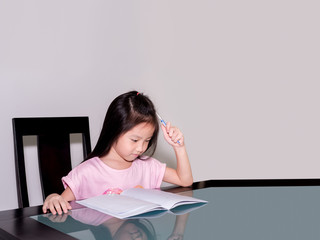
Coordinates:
179 227
175 236
57 218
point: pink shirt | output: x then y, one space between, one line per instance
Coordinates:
93 177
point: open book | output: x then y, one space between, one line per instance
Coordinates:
140 202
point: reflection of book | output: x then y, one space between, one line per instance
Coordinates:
138 201
179 210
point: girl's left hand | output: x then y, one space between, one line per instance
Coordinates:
172 135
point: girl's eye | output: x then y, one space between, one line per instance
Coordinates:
134 140
148 140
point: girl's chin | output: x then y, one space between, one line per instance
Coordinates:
132 158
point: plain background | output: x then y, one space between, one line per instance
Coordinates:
239 78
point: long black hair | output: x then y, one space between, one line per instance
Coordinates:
125 112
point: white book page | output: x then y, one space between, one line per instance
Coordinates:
118 205
164 199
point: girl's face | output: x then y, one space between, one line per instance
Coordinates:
133 143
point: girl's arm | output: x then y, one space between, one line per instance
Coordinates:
59 203
182 175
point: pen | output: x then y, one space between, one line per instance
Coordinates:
164 123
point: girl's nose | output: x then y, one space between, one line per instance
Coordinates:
140 147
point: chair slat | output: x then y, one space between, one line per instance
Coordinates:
53 144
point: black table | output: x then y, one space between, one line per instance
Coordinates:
237 209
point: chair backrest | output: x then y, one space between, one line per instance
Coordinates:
53 143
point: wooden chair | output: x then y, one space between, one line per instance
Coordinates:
53 143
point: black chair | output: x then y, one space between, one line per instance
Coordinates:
53 143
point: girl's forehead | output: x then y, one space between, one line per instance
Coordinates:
142 129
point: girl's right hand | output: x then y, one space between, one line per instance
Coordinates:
173 135
56 203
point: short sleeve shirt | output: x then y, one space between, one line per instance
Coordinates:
93 177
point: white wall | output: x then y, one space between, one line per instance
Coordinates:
240 78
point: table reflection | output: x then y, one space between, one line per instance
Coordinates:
86 223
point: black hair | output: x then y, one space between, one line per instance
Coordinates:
125 112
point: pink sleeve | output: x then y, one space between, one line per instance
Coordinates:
69 181
74 179
157 170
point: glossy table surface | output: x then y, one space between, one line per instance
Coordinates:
237 209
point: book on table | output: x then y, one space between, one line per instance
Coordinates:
138 202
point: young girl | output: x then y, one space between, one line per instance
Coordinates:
121 159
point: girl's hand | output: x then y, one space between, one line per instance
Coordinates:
172 135
56 203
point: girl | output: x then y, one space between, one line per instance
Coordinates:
119 161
